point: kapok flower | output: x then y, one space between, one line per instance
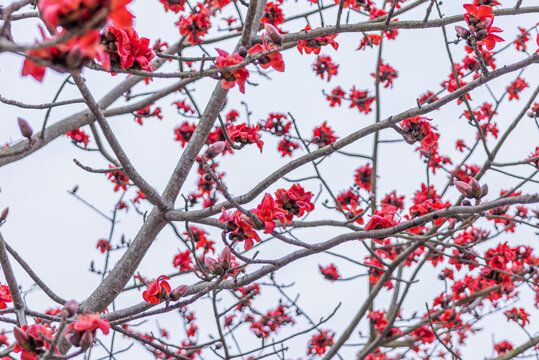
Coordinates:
418 128
70 55
30 342
103 245
323 135
231 77
195 25
79 136
363 177
274 59
184 132
324 65
74 13
244 134
5 296
239 228
517 315
386 74
157 290
286 146
320 342
329 272
361 100
126 49
295 201
173 5
267 211
315 45
382 219
82 332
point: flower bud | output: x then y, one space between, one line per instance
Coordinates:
86 340
464 188
242 51
177 293
475 189
481 34
484 24
215 149
4 214
484 190
75 188
466 203
224 259
210 263
26 130
71 308
273 34
73 338
463 32
21 337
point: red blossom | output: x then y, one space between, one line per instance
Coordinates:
103 245
363 177
184 132
295 201
238 76
273 14
157 290
240 228
315 45
520 316
79 136
361 100
196 24
244 134
5 296
287 146
173 5
325 66
183 261
273 59
323 135
516 87
386 74
329 272
267 211
336 96
319 343
126 49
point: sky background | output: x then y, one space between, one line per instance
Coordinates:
57 234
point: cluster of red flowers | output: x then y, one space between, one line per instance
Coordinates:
319 343
359 99
196 24
516 87
270 322
273 14
479 20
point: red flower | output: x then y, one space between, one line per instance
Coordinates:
314 45
324 65
70 55
196 24
336 96
173 5
267 211
295 201
392 199
427 98
323 135
181 105
286 146
30 342
516 87
199 237
244 134
517 315
476 14
157 290
276 124
119 179
82 332
386 74
369 40
522 39
363 177
232 116
184 132
103 245
273 14
240 228
238 76
275 59
183 261
361 100
503 347
329 272
140 196
320 342
382 219
146 112
418 128
5 296
379 320
75 13
424 334
79 136
126 49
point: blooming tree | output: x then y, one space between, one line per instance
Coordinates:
388 215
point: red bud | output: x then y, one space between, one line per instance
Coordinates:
26 130
177 293
71 307
21 337
86 340
464 188
463 32
215 149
